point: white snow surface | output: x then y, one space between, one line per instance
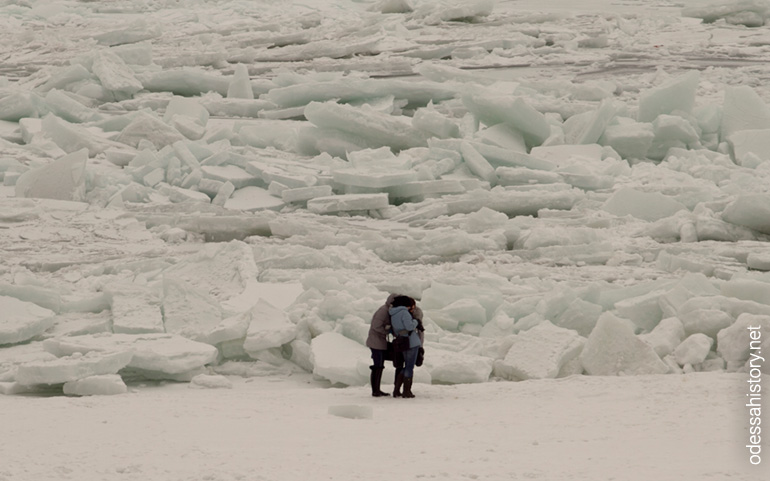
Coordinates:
291 428
202 203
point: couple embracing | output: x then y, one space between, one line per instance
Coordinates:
400 317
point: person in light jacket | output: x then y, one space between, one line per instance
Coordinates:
403 323
377 342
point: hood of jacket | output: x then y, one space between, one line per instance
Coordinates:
394 310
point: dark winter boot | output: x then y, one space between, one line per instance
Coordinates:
375 379
408 387
399 382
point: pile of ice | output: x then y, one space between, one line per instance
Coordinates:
408 150
183 322
332 187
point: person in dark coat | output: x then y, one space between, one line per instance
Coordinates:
377 342
404 324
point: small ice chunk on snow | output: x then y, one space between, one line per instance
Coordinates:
226 189
749 210
19 105
649 206
135 32
747 289
147 126
99 385
72 368
392 6
751 13
514 112
252 198
525 176
304 194
706 321
743 109
188 311
162 353
63 179
249 108
73 137
334 357
188 108
666 336
693 350
347 203
12 356
580 316
675 94
352 411
21 321
434 123
745 142
588 127
673 128
440 295
514 202
237 176
224 270
613 349
497 156
448 367
461 311
503 136
478 164
734 343
210 381
644 310
448 10
540 352
375 178
437 243
135 308
115 75
269 327
563 155
188 82
631 140
347 89
235 327
374 128
425 188
240 85
66 107
759 261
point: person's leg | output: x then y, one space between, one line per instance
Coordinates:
410 357
378 365
398 363
378 358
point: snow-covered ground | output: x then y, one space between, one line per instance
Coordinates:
203 202
273 428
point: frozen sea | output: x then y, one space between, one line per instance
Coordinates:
203 202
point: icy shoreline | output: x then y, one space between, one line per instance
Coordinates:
169 213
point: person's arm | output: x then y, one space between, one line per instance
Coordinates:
403 320
381 321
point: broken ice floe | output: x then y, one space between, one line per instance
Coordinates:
751 13
22 320
174 159
454 164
